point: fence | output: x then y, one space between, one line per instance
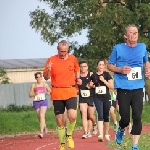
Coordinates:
17 94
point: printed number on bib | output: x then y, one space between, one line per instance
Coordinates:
85 93
100 90
135 74
39 97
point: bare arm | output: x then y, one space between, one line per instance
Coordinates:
109 83
48 89
77 75
123 70
113 68
31 93
46 75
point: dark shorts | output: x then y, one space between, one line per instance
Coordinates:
87 100
38 104
113 103
60 105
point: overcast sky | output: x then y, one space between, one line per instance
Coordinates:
17 39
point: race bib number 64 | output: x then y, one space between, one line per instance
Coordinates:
135 73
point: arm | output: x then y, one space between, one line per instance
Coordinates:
47 70
109 84
90 84
48 89
31 93
77 72
113 68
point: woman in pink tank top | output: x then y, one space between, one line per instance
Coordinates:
38 91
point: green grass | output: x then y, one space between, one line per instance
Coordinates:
127 143
144 139
23 119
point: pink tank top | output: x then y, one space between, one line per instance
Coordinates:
41 95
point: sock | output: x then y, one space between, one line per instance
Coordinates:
115 122
61 134
71 126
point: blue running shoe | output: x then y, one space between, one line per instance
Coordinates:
135 147
119 136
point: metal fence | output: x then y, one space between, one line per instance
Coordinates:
17 94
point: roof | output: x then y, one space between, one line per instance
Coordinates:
22 63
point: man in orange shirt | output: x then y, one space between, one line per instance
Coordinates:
64 71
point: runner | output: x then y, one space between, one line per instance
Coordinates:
128 61
86 100
103 82
38 92
64 72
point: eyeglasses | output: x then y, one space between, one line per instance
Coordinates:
83 66
38 77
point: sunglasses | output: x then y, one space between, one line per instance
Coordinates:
38 77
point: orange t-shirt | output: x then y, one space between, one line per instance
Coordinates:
63 75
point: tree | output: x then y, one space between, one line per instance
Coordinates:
104 20
3 77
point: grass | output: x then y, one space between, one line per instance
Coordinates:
144 139
127 143
23 119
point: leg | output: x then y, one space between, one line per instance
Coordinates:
113 115
137 107
92 118
124 97
71 106
83 109
106 109
59 109
65 118
42 113
124 107
41 108
99 108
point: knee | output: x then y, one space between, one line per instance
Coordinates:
100 117
125 121
59 122
106 118
72 118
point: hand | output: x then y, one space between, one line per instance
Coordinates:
147 72
115 92
90 84
125 70
78 81
49 66
36 93
101 78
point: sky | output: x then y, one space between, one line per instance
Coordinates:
17 39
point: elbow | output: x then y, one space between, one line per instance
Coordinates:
109 67
30 95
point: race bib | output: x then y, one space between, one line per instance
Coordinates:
40 97
135 74
85 93
100 90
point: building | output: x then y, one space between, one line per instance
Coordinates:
22 70
21 75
